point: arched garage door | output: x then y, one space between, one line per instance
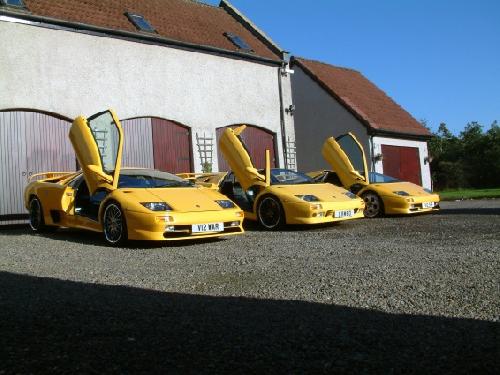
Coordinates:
30 143
257 141
151 142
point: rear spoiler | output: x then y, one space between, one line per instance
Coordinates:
207 179
51 176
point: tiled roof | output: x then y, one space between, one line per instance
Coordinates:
365 100
181 20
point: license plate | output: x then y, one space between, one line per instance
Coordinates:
427 204
344 213
212 227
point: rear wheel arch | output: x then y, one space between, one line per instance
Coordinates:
36 215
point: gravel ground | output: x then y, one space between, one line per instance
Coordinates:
393 295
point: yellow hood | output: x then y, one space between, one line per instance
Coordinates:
324 192
390 187
184 199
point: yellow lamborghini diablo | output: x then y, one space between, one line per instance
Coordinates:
136 204
382 194
275 197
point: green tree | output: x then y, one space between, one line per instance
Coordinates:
492 156
446 166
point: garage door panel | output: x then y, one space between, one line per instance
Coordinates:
137 143
402 163
257 141
171 146
48 145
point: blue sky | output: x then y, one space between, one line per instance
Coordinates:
438 59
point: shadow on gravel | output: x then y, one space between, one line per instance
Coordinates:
54 326
469 211
252 226
86 237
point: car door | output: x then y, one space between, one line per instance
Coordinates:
98 143
347 158
236 155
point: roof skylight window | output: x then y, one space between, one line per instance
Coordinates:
140 22
13 3
238 42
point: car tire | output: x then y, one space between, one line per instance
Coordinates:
36 220
374 206
114 225
270 213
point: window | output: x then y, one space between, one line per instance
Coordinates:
353 152
140 22
107 139
238 42
13 3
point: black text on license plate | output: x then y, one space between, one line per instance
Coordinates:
344 213
210 227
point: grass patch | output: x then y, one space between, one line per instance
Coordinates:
449 195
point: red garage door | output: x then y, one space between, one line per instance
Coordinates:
171 146
257 141
402 163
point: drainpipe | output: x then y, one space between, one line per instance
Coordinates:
283 72
372 147
282 117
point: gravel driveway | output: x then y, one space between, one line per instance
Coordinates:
393 295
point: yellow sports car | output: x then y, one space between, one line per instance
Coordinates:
136 204
382 194
275 197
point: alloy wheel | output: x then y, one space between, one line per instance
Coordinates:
373 205
113 223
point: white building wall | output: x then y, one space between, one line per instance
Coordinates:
317 117
422 151
72 73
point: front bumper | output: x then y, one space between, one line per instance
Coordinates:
301 213
170 225
409 205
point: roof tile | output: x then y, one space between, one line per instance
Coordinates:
182 20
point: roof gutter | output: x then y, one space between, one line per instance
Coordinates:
392 134
58 24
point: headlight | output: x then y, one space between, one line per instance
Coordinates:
308 198
157 206
402 193
225 203
350 195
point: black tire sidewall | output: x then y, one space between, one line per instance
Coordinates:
41 224
124 235
282 219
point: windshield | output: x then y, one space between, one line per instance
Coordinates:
288 177
379 178
149 178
